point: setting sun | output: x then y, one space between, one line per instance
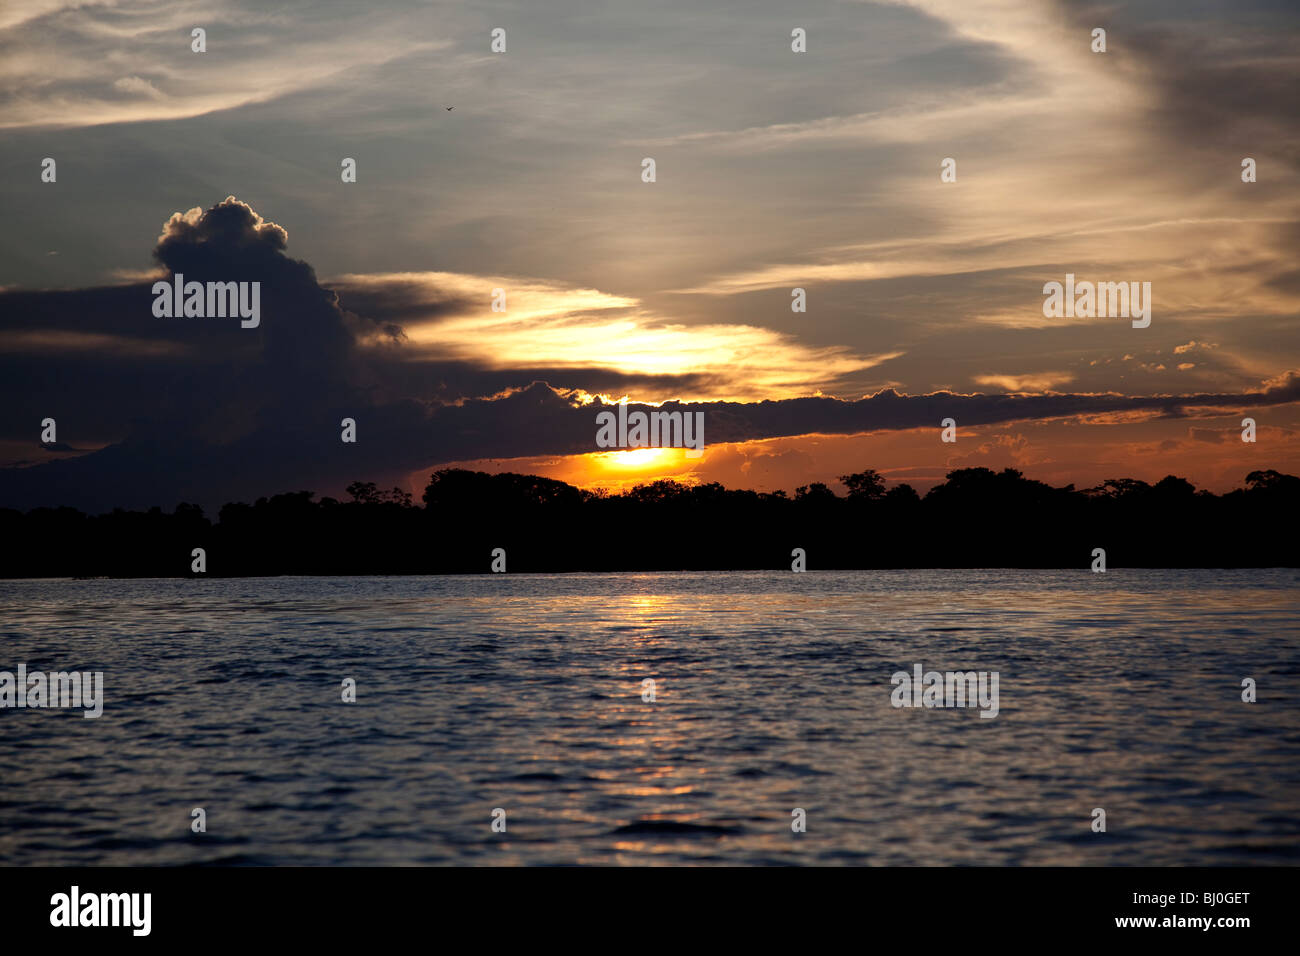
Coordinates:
637 457
621 470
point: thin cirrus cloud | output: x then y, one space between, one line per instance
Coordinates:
1073 168
71 64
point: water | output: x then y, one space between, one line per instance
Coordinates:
522 692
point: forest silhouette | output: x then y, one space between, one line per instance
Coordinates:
975 518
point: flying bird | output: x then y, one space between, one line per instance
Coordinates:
451 107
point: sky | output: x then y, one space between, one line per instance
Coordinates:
774 170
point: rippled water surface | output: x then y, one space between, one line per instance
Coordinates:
524 692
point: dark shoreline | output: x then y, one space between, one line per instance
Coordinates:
975 519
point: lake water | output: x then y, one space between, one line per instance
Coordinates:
772 692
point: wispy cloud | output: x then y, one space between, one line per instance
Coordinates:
449 315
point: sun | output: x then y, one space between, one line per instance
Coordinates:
638 457
621 470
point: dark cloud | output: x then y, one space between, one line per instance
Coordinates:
1288 281
306 340
230 229
537 420
401 299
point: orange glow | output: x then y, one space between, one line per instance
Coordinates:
1083 450
618 471
637 458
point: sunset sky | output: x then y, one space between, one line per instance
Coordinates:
775 170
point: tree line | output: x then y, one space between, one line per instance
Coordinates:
976 517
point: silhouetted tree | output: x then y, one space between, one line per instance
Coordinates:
869 484
817 492
902 495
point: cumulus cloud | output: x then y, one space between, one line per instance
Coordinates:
230 225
